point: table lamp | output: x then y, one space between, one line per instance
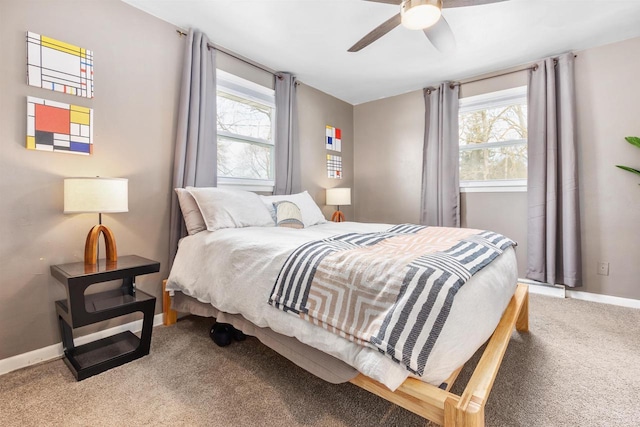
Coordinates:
338 197
97 195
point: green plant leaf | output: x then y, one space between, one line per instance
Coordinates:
633 140
627 168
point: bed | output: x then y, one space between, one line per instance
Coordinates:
229 273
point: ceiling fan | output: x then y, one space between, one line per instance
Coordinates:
423 15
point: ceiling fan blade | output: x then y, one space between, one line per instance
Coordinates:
377 32
441 36
397 2
465 3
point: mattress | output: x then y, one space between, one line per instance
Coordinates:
235 269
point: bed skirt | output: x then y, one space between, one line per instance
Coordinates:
320 364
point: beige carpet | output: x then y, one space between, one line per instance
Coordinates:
579 366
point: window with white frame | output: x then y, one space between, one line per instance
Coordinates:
246 125
493 141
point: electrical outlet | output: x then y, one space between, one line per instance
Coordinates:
603 268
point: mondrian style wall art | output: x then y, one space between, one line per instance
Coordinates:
59 66
334 166
333 138
54 126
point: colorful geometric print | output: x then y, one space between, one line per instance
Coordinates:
59 66
55 126
334 166
333 138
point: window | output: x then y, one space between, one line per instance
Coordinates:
246 123
493 141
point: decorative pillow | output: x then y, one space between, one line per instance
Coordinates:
190 212
222 208
288 215
311 213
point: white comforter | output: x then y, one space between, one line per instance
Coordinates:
235 270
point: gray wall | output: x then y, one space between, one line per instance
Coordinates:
388 147
246 71
388 159
136 88
505 213
317 110
608 91
137 71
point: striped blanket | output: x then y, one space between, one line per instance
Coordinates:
391 290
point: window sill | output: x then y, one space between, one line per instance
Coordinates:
246 185
495 189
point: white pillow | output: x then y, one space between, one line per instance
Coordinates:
190 212
311 213
223 208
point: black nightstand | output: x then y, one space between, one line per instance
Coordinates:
80 310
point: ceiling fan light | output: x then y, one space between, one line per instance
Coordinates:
420 14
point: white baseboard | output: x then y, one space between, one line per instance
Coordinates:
563 292
544 289
604 299
55 351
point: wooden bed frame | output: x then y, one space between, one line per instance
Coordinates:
434 403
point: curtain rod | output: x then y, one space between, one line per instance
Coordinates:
431 89
452 85
532 67
239 58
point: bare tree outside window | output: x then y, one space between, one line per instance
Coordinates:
243 160
245 138
493 142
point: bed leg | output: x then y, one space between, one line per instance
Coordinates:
522 323
169 316
455 415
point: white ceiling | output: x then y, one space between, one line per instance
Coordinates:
310 38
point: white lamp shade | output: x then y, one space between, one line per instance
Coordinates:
338 196
96 194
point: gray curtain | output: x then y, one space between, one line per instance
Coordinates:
195 159
287 156
553 239
440 204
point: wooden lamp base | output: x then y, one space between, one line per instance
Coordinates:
91 245
337 217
